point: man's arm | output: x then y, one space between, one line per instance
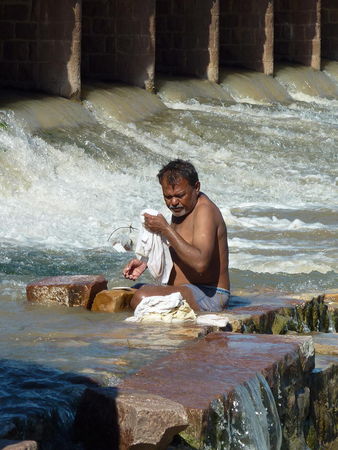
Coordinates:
196 255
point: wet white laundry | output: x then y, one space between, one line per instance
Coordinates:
217 320
163 308
155 250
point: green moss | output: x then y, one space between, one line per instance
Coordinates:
280 324
311 438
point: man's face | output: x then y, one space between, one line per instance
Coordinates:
180 197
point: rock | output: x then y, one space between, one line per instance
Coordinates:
75 290
130 420
207 376
324 401
115 300
18 445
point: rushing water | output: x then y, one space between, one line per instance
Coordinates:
71 174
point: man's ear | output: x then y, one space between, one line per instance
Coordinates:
197 186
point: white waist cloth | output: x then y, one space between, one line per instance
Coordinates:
163 308
155 250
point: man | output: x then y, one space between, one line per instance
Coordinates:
198 243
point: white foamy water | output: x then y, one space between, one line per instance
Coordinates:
271 170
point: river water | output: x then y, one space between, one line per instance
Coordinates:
74 178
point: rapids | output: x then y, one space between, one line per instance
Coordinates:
73 173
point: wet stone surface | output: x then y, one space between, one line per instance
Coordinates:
74 290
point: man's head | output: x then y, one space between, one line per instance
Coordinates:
180 186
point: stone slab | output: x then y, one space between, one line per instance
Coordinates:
74 290
116 300
211 370
324 402
107 420
278 315
18 445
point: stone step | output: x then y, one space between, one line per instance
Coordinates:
205 378
73 290
114 300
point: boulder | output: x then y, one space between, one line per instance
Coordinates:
74 290
107 420
115 300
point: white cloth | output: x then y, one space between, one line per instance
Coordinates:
216 320
163 308
155 250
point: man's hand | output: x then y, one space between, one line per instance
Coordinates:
134 269
155 224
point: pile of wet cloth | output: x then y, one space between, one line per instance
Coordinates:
173 308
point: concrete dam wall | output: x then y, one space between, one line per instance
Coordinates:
52 46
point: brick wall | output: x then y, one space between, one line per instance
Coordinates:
39 45
187 37
246 34
118 41
297 31
18 44
329 29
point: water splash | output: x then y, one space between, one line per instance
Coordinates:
251 421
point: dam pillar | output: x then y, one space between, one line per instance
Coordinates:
118 42
246 34
187 38
297 31
329 29
40 45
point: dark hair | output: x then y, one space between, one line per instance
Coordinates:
177 169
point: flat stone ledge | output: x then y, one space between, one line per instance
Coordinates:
107 420
74 290
207 373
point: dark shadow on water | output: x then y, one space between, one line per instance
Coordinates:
39 403
96 423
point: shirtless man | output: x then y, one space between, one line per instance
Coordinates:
198 243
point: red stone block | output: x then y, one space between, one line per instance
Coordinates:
74 290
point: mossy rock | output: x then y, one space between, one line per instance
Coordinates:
280 324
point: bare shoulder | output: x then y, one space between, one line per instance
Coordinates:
207 207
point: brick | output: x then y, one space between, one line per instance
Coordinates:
18 12
27 72
102 64
26 30
7 30
95 9
103 26
54 30
93 44
125 44
33 51
8 70
162 7
333 16
16 51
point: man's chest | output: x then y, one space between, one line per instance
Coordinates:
185 229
